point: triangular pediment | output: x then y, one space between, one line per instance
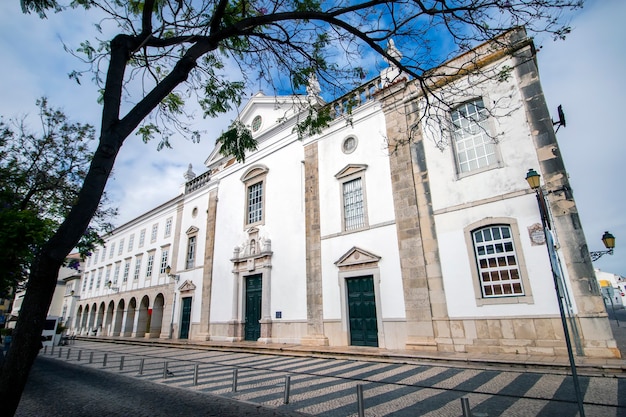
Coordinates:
356 256
192 230
350 169
187 286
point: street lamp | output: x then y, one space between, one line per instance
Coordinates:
532 177
109 286
609 243
168 270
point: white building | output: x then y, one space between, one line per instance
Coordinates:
410 227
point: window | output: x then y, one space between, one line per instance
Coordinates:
104 254
473 146
116 272
85 281
112 250
165 252
99 281
126 270
121 248
153 235
498 269
191 252
95 256
255 203
353 213
137 268
107 275
256 123
131 242
254 181
142 237
352 183
91 277
149 265
168 227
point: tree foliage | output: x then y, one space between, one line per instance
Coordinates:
40 176
210 50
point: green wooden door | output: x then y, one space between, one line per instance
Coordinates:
362 311
252 330
185 319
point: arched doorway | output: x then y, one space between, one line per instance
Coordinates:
156 321
130 318
108 321
143 319
118 320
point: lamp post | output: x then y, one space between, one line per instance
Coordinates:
532 177
609 243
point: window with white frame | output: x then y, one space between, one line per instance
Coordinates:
116 272
107 275
121 248
155 230
142 237
352 183
85 281
96 254
137 268
474 148
126 270
497 262
131 242
149 265
99 281
191 252
254 181
104 253
165 253
111 252
168 227
91 278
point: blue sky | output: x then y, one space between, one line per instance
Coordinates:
583 73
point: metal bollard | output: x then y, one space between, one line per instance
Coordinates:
45 350
195 374
60 352
287 389
235 372
90 357
68 354
465 407
359 400
104 361
141 366
121 363
52 350
80 352
164 370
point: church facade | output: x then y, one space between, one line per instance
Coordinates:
405 224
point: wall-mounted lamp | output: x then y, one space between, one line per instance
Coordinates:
109 286
609 243
168 272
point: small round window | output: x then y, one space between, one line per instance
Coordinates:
349 144
256 123
194 212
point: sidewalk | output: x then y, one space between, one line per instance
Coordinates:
584 365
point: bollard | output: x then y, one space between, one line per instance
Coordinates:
359 400
164 370
68 354
60 352
287 389
121 363
141 366
195 375
235 372
80 352
104 361
90 357
45 349
465 407
52 350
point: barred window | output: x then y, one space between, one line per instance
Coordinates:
498 268
126 271
164 258
149 265
353 211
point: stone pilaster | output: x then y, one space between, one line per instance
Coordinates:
315 312
591 318
419 257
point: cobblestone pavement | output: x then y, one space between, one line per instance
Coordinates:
328 387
